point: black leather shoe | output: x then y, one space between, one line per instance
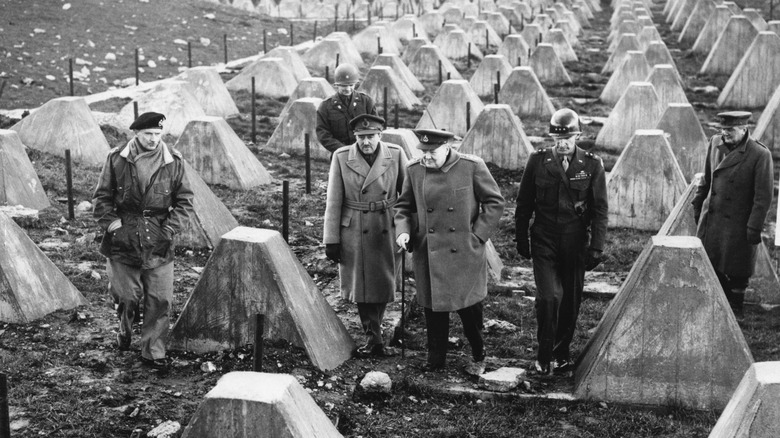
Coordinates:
158 364
432 367
562 365
542 369
122 342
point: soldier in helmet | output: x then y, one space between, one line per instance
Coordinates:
335 112
564 189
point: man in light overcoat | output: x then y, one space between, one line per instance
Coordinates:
732 202
458 206
363 185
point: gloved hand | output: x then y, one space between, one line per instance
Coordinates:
404 241
333 252
592 259
113 226
753 236
523 247
168 232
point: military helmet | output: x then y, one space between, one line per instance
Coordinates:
565 123
346 74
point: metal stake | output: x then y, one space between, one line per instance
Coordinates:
257 363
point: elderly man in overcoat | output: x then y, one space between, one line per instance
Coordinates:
458 206
363 185
732 202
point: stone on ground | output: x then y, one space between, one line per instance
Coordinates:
174 99
425 64
394 61
381 78
289 135
220 157
548 66
638 108
523 92
31 286
310 87
485 77
680 221
669 336
686 137
503 379
273 79
634 68
756 76
65 123
19 184
376 382
210 218
253 271
645 183
731 45
716 22
244 404
447 109
210 91
754 409
497 136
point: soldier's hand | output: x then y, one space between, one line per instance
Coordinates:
523 247
113 226
592 259
403 241
333 252
753 236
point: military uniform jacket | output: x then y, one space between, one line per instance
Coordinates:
359 216
458 208
734 195
561 200
333 119
141 241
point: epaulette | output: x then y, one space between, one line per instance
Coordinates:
470 157
415 161
540 151
342 149
115 150
762 144
176 153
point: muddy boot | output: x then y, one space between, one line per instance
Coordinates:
737 300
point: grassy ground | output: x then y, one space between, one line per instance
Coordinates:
66 379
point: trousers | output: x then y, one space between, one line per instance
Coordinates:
371 315
734 288
437 326
130 284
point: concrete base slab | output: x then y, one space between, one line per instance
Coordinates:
502 380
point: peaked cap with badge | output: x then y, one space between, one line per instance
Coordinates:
367 124
730 119
432 138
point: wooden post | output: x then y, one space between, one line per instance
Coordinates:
498 78
337 60
496 89
468 57
254 113
265 42
487 39
468 116
353 21
135 109
286 210
307 158
327 74
315 31
5 419
384 105
440 76
395 125
369 15
414 30
189 54
69 181
292 33
224 46
70 75
336 19
449 75
137 78
378 46
257 363
2 87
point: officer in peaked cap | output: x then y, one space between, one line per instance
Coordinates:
732 202
363 185
457 205
335 112
564 189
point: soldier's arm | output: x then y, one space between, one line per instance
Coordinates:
402 163
333 202
489 196
763 183
704 186
405 207
526 196
599 208
324 134
103 198
181 202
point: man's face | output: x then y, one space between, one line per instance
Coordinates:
734 134
345 89
368 142
149 138
435 158
565 145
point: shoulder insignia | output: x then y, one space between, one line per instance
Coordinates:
540 151
762 144
412 162
470 157
115 150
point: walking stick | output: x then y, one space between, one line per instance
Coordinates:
403 302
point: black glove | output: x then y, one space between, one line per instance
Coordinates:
333 251
592 259
523 247
753 236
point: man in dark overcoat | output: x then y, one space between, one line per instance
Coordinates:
458 206
335 112
732 202
142 201
363 185
564 189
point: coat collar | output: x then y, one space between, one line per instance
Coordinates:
167 156
735 156
382 162
453 158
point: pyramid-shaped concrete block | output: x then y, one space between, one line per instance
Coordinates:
498 22
405 138
210 91
686 136
647 35
406 28
349 52
754 409
455 45
65 123
371 38
292 60
453 14
563 49
657 53
432 22
497 137
401 70
210 218
253 271
244 404
570 31
634 68
548 66
712 28
582 12
490 70
638 108
301 119
31 286
412 48
645 183
19 184
220 157
767 128
172 98
754 15
484 36
381 78
764 284
756 76
680 221
667 85
324 52
627 42
532 34
682 15
311 87
773 26
447 109
696 21
669 336
515 50
272 79
625 28
731 45
523 92
425 64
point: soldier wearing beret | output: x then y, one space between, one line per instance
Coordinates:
732 202
457 204
363 185
335 112
564 189
141 201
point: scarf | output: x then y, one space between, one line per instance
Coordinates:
147 162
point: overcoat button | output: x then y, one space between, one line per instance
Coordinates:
430 230
430 210
364 191
452 228
384 231
450 209
454 250
365 231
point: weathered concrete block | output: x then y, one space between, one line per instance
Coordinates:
548 66
381 78
503 379
523 92
172 98
447 109
756 76
731 45
680 221
210 218
19 184
210 91
754 409
686 137
498 137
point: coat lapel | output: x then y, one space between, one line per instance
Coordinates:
731 158
554 167
356 162
383 161
576 164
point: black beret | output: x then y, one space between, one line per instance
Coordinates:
147 121
367 124
732 118
432 138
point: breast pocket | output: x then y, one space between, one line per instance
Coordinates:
580 187
162 195
546 188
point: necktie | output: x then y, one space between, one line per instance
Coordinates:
565 163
